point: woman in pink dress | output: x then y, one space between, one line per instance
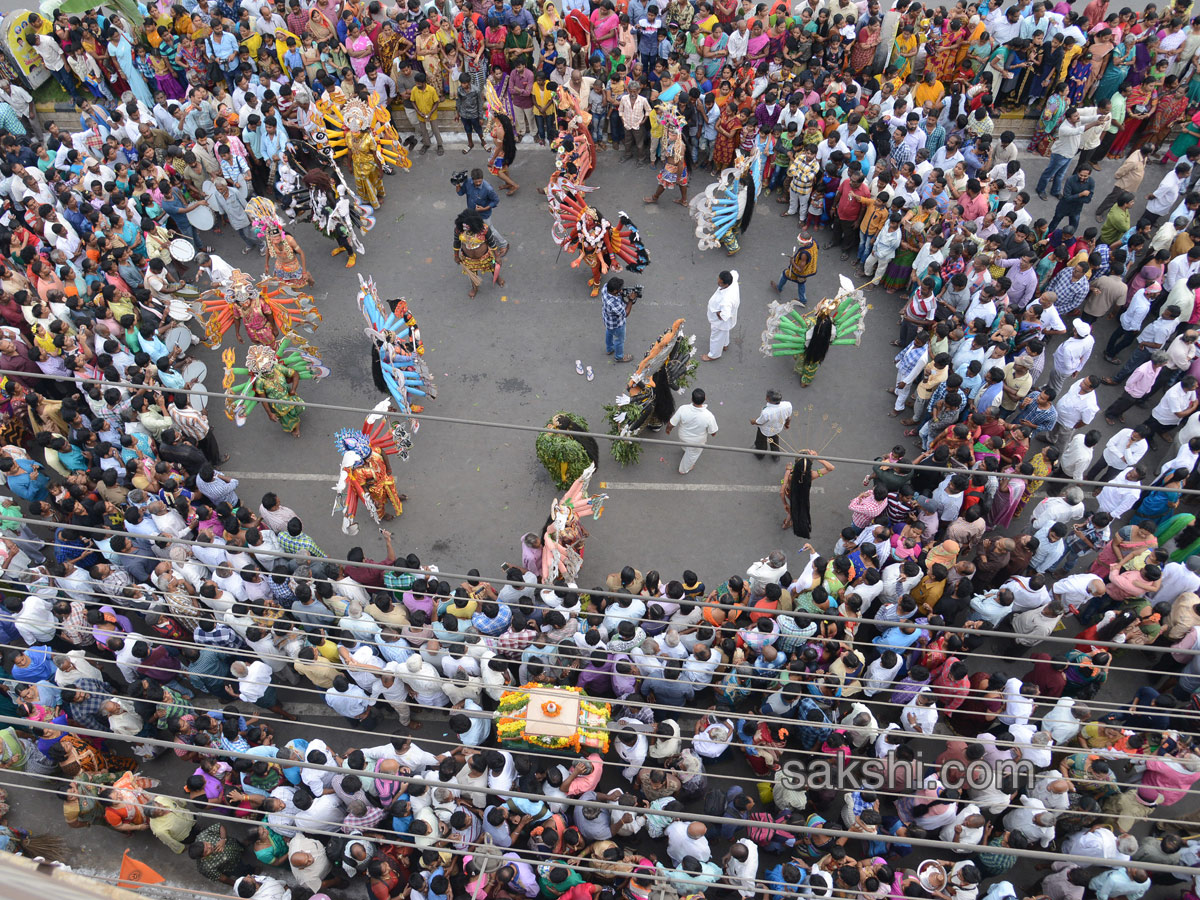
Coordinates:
1006 502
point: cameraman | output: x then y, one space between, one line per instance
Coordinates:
615 307
481 196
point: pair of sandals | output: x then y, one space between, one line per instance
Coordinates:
580 369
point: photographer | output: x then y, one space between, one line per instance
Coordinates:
615 304
481 196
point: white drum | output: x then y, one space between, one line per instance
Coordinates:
181 249
198 370
201 218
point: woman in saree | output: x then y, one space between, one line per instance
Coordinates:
97 50
75 756
518 46
1079 75
1156 506
865 45
714 52
1140 105
1119 64
126 801
1144 55
756 47
729 136
269 848
550 20
1171 107
1047 124
1007 500
81 808
360 48
1102 47
494 39
1126 546
605 24
319 28
429 55
1184 141
904 51
470 46
979 51
944 61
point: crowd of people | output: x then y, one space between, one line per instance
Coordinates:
157 620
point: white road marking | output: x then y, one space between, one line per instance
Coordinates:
695 486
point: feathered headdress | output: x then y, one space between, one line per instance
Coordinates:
348 439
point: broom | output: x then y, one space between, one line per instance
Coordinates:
49 847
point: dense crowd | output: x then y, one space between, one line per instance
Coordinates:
147 600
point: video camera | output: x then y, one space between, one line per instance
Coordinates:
459 178
632 294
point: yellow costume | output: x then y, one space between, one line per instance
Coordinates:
367 135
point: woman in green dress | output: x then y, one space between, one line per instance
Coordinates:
275 381
269 848
1120 61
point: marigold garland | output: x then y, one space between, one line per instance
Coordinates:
591 735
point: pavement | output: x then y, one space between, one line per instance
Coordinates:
508 356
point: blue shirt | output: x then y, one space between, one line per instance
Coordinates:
482 199
24 484
225 46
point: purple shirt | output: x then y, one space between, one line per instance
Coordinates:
767 120
597 679
520 88
1024 284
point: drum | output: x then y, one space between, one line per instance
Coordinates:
198 370
201 218
181 249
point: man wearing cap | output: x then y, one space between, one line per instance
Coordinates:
1072 355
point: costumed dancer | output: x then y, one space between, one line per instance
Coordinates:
649 399
269 310
478 248
274 374
674 173
397 353
838 320
498 116
603 246
723 212
285 259
366 475
574 141
338 213
563 451
367 136
564 535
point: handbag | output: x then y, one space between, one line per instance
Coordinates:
215 73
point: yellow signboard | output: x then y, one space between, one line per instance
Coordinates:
16 30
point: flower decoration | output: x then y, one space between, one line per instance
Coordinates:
551 709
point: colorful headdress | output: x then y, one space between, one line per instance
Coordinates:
357 115
669 119
260 358
348 439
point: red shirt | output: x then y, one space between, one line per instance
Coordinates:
848 202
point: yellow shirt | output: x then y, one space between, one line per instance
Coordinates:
329 650
706 25
425 99
543 96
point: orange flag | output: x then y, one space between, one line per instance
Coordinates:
135 874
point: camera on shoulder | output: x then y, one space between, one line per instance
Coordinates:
459 177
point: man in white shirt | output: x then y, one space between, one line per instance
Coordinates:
696 424
776 415
22 103
738 44
1124 449
1159 203
1078 406
1122 492
722 314
1179 402
1063 150
254 686
1072 355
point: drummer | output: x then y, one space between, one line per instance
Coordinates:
214 268
230 201
177 208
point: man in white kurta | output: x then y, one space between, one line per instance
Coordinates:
722 314
695 424
1078 406
1072 354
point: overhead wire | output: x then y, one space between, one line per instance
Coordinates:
471 848
599 592
207 613
511 426
510 793
784 751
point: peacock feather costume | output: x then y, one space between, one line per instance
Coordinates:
719 209
838 320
